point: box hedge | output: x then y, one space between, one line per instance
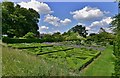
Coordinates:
17 40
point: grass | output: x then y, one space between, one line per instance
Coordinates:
103 66
19 63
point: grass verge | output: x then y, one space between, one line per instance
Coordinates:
102 66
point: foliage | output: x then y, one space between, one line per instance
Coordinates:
18 21
116 46
29 35
72 36
72 59
48 38
115 24
17 40
101 38
80 29
56 37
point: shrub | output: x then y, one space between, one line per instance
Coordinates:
29 35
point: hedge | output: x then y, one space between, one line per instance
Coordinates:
42 53
116 49
17 40
89 60
29 47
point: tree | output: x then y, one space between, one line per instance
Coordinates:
57 37
115 24
92 34
80 29
57 33
29 35
47 38
18 21
70 36
101 37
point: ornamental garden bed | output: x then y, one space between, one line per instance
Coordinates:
75 59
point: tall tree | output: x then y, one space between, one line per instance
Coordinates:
80 29
18 21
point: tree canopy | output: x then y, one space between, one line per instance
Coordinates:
80 29
18 21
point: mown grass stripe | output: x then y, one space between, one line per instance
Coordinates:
102 66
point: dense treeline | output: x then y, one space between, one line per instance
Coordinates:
18 21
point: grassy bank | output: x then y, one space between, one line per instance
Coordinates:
19 63
102 66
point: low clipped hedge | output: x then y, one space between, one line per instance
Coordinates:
89 60
86 62
29 47
30 40
17 40
41 53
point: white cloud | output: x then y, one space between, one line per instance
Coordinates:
81 24
52 20
88 28
91 31
54 31
42 29
87 13
108 30
104 22
40 7
56 21
65 21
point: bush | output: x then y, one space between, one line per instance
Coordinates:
29 35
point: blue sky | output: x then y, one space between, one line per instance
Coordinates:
64 0
63 12
61 16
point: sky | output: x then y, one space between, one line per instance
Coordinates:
64 0
61 16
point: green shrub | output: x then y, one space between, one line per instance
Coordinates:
29 35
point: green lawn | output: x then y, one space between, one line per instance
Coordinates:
102 66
